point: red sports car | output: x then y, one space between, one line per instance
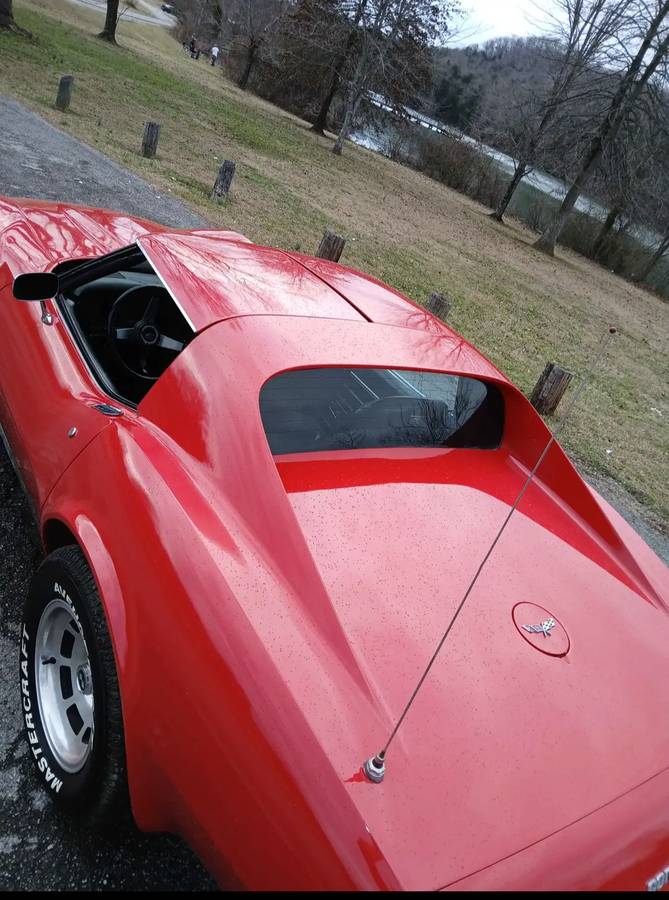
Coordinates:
263 482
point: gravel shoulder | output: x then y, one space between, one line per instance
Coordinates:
647 525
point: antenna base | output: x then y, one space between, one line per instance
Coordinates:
375 768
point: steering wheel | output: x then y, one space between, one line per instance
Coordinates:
135 334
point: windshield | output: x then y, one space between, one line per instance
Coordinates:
346 409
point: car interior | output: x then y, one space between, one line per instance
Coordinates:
125 321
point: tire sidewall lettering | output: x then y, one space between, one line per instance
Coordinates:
52 775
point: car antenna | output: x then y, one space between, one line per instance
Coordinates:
375 767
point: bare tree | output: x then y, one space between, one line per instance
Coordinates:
318 39
582 35
649 34
393 35
203 19
627 176
250 23
653 202
339 63
108 33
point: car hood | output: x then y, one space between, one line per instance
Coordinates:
504 743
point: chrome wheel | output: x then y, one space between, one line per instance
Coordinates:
64 686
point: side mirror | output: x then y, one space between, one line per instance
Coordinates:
35 286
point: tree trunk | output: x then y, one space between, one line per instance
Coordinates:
353 99
361 74
108 33
7 19
322 117
351 108
250 61
321 120
653 260
628 92
547 241
604 232
518 176
559 90
6 14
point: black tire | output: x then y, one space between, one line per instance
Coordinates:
98 792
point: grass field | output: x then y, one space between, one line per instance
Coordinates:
519 307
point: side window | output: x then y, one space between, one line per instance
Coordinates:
125 321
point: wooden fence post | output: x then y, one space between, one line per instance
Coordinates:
331 246
223 181
438 305
150 139
64 93
550 388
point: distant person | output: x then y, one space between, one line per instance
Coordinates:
214 54
191 46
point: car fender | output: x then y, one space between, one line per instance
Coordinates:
217 748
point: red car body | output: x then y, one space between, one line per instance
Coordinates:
270 616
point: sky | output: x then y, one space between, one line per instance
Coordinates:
488 19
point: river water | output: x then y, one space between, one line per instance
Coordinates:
537 186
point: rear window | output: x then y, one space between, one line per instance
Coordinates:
348 409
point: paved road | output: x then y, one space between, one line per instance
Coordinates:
38 160
37 850
153 15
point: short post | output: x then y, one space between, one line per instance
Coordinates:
64 93
150 139
331 246
438 305
550 388
223 181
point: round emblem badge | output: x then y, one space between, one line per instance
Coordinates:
541 629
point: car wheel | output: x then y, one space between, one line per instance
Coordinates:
69 691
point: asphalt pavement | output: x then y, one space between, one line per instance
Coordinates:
39 850
152 14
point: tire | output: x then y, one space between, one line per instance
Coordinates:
64 697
